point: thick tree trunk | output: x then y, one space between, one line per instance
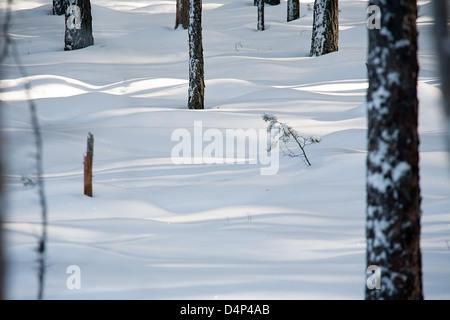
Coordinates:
182 14
393 191
196 66
78 32
293 10
325 34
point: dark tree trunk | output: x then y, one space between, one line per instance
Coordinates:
442 35
182 14
325 34
260 22
271 2
60 7
393 191
78 32
293 10
196 65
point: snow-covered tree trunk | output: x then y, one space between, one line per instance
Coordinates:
78 30
196 65
260 21
293 10
442 35
325 33
182 14
60 6
393 192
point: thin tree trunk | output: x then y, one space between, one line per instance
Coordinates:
2 213
393 191
88 161
182 14
293 10
196 65
442 36
260 23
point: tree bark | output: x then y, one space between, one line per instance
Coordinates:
293 10
325 34
271 2
60 7
88 160
196 65
260 21
392 184
182 14
78 30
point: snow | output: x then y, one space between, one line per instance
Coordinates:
159 229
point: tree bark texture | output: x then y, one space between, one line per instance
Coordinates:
260 21
78 30
196 65
182 14
88 160
60 7
393 192
293 10
325 34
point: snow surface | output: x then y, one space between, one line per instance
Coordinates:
155 229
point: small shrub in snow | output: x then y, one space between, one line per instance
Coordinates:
288 136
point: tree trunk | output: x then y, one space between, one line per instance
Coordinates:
442 36
271 2
196 65
182 14
260 22
325 34
88 162
60 7
78 32
293 10
392 182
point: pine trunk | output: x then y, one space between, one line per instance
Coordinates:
325 34
393 192
182 14
78 33
293 10
260 22
60 7
196 65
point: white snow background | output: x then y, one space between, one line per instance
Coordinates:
155 229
